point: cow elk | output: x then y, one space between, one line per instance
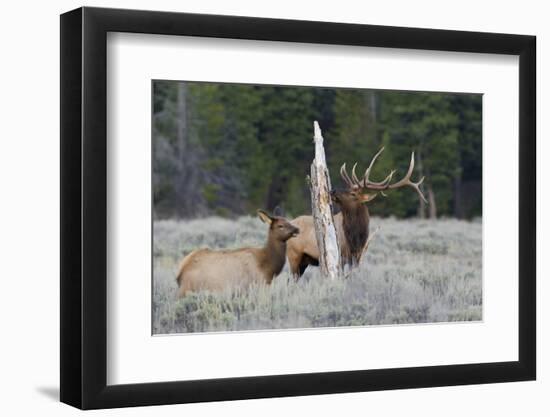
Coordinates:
216 270
352 223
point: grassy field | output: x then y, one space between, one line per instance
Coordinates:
416 271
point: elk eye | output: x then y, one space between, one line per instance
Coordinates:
280 226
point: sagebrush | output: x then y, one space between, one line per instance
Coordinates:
415 271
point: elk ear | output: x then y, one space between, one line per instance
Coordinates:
266 218
365 198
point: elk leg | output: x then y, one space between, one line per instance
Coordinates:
294 261
182 291
303 267
306 261
310 260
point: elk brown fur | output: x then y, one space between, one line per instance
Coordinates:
352 223
216 270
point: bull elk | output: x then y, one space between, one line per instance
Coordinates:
352 223
206 269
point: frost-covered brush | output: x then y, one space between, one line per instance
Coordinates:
352 223
216 270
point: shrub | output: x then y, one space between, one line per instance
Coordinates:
416 271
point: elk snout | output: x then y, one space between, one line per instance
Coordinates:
295 232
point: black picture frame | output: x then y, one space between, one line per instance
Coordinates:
84 207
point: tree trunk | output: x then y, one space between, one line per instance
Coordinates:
374 105
421 204
275 193
188 191
182 207
431 202
182 123
325 232
458 206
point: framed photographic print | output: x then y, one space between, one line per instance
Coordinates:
258 207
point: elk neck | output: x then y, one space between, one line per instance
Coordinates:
355 222
273 256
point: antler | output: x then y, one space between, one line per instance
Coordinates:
365 183
406 181
370 184
356 183
346 178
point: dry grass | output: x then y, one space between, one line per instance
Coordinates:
416 271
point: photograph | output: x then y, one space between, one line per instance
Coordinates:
235 245
341 209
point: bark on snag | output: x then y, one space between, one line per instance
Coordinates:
321 207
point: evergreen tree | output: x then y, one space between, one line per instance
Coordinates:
228 149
